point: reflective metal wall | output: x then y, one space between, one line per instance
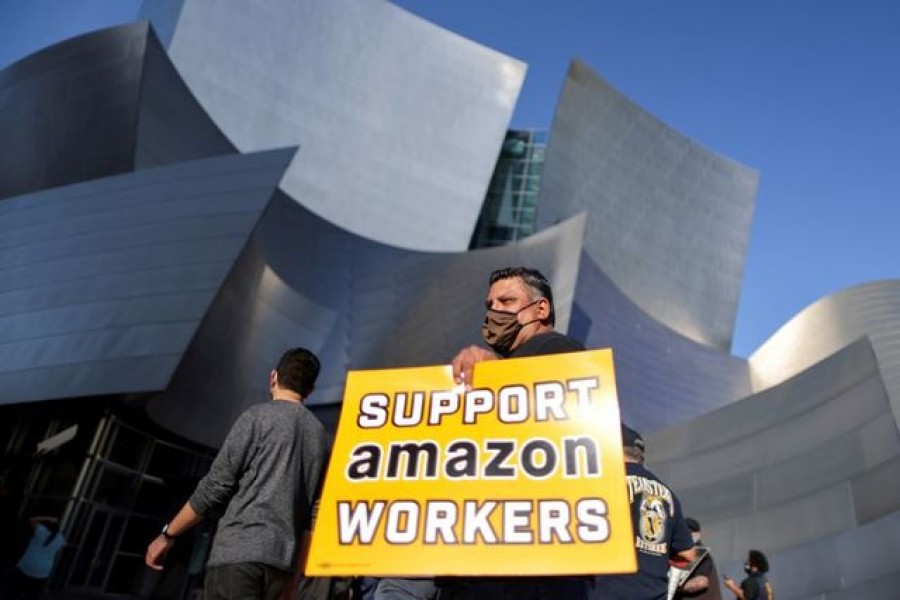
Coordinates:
356 303
870 310
662 377
104 283
396 116
669 220
807 471
99 104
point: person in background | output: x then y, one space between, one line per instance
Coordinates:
266 477
755 586
660 531
703 582
36 564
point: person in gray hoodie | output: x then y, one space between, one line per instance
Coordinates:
264 481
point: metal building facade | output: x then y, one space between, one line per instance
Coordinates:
296 176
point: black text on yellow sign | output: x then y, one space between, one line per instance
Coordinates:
522 474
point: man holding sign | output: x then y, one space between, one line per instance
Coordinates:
508 484
519 322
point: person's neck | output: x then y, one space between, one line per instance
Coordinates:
542 328
286 395
539 329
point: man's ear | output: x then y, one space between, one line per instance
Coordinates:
273 378
544 309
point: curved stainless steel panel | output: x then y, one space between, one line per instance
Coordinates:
662 377
356 303
871 310
801 471
396 116
96 105
669 220
103 284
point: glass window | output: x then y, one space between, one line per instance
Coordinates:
114 486
127 447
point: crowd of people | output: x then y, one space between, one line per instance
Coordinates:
265 480
268 473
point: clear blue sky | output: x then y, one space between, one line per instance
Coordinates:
805 91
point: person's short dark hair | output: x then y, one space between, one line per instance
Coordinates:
297 370
693 524
533 279
632 443
632 438
758 559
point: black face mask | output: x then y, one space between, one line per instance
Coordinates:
746 567
500 328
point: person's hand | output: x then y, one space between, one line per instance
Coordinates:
464 363
157 551
729 583
696 584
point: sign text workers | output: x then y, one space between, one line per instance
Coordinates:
522 474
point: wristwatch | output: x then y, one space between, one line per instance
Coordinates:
165 533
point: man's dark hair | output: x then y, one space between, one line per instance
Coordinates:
693 524
533 279
297 370
632 444
758 559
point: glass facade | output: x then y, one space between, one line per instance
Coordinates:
510 206
112 485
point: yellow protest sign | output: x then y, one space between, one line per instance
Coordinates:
522 474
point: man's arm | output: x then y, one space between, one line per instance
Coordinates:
731 585
186 518
464 363
696 584
213 491
688 555
700 579
217 487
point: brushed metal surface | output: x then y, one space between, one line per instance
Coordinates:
103 284
401 121
669 220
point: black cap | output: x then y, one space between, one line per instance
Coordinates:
693 524
631 438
